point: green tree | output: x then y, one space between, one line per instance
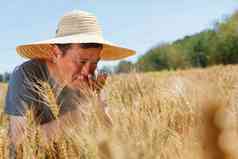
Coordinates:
124 67
1 78
209 47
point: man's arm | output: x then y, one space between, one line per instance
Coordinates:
17 129
49 131
55 128
104 109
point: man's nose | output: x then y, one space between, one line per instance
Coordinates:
86 70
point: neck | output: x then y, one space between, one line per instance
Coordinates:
55 73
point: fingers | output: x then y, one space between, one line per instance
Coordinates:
101 79
89 82
78 83
85 82
102 76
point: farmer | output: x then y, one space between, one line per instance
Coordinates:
66 62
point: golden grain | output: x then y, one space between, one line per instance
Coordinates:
172 115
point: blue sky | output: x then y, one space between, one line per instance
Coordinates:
137 24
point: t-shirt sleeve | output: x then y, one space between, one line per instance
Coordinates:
15 102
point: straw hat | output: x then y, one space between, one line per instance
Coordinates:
75 27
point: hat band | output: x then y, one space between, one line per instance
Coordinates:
96 33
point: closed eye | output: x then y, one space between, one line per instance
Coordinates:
82 62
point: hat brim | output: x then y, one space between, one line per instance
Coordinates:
43 49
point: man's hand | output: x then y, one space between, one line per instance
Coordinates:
89 83
99 83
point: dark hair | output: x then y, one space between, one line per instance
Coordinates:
65 47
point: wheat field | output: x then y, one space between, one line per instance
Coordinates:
179 114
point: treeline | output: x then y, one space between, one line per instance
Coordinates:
5 77
218 45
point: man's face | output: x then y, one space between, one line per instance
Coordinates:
77 63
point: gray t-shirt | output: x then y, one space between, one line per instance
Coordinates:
23 92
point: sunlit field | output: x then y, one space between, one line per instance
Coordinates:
160 115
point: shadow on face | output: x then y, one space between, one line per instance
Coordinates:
77 60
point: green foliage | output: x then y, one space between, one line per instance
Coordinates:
124 67
5 77
209 47
106 69
163 57
1 78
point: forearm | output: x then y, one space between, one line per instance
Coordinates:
56 128
104 110
108 117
